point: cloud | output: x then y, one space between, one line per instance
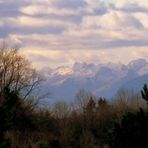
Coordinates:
67 29
38 10
70 4
112 20
132 6
143 17
52 58
26 21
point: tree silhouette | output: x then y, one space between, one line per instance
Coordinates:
17 80
102 102
7 114
144 93
16 72
131 131
91 106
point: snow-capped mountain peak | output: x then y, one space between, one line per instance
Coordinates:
61 71
102 79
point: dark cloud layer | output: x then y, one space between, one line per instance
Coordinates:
70 4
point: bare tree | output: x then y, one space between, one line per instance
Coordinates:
61 110
16 72
82 98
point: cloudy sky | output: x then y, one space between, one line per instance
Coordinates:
61 32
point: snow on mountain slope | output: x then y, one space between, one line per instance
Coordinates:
102 79
61 71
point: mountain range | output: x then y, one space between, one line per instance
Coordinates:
105 80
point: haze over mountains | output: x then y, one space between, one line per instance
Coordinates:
102 80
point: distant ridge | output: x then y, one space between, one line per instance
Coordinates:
103 79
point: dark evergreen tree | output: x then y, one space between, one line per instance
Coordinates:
91 106
131 132
8 106
102 102
144 93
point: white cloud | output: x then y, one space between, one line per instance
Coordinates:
122 3
29 21
142 3
112 20
143 18
44 10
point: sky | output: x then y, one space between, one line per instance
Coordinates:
61 32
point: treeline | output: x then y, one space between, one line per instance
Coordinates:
90 122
